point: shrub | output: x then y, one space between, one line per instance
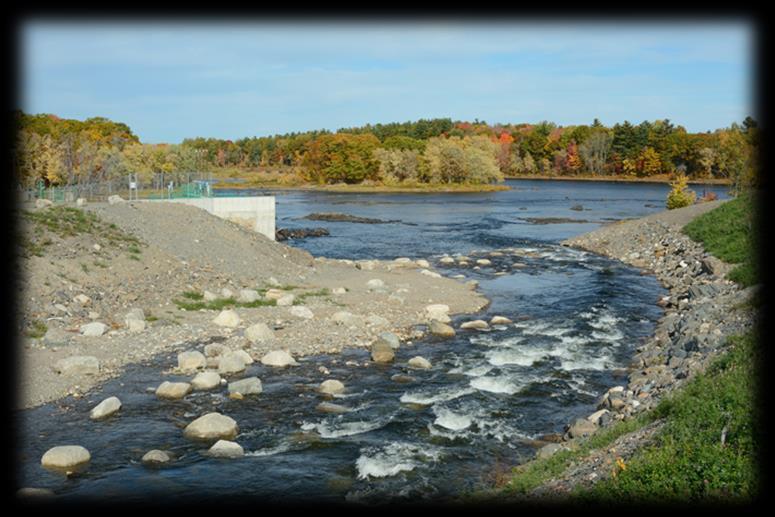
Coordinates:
680 196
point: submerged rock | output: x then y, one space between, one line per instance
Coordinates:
278 358
156 457
440 329
226 449
249 386
173 390
331 387
212 426
105 408
65 457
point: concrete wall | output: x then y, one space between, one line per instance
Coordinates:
254 212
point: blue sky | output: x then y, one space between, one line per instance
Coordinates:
231 80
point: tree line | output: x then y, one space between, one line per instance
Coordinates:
428 151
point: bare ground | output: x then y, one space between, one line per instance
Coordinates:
186 249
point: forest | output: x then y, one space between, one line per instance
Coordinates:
56 151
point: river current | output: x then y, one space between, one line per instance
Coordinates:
578 318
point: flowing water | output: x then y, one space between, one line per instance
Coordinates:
577 319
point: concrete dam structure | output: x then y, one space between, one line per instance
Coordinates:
254 212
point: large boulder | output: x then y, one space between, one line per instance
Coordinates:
57 337
191 360
43 203
328 407
173 390
392 339
226 449
375 283
274 294
212 426
231 363
248 296
105 408
93 329
331 387
249 386
206 381
286 301
65 457
347 318
278 358
302 312
156 457
115 199
475 324
440 329
382 352
419 362
215 350
581 427
438 312
259 333
78 365
227 318
500 320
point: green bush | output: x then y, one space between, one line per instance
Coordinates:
680 196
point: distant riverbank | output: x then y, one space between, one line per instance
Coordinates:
363 189
662 178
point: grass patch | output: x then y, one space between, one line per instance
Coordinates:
36 329
301 297
66 221
194 302
708 448
530 475
728 232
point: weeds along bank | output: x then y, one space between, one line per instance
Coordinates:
686 415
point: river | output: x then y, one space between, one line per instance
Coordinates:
577 319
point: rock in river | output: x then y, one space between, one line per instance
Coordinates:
249 386
419 362
278 358
65 457
475 324
226 449
206 381
105 408
155 457
440 329
191 360
331 387
382 352
212 426
173 390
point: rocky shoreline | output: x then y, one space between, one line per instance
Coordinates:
98 298
702 309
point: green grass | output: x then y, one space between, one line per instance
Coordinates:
529 475
729 233
36 329
196 303
300 298
66 221
689 462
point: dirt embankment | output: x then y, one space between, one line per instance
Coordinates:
159 257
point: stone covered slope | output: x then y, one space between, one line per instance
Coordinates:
701 311
89 278
204 240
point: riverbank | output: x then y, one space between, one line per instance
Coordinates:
702 311
122 283
365 189
662 178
